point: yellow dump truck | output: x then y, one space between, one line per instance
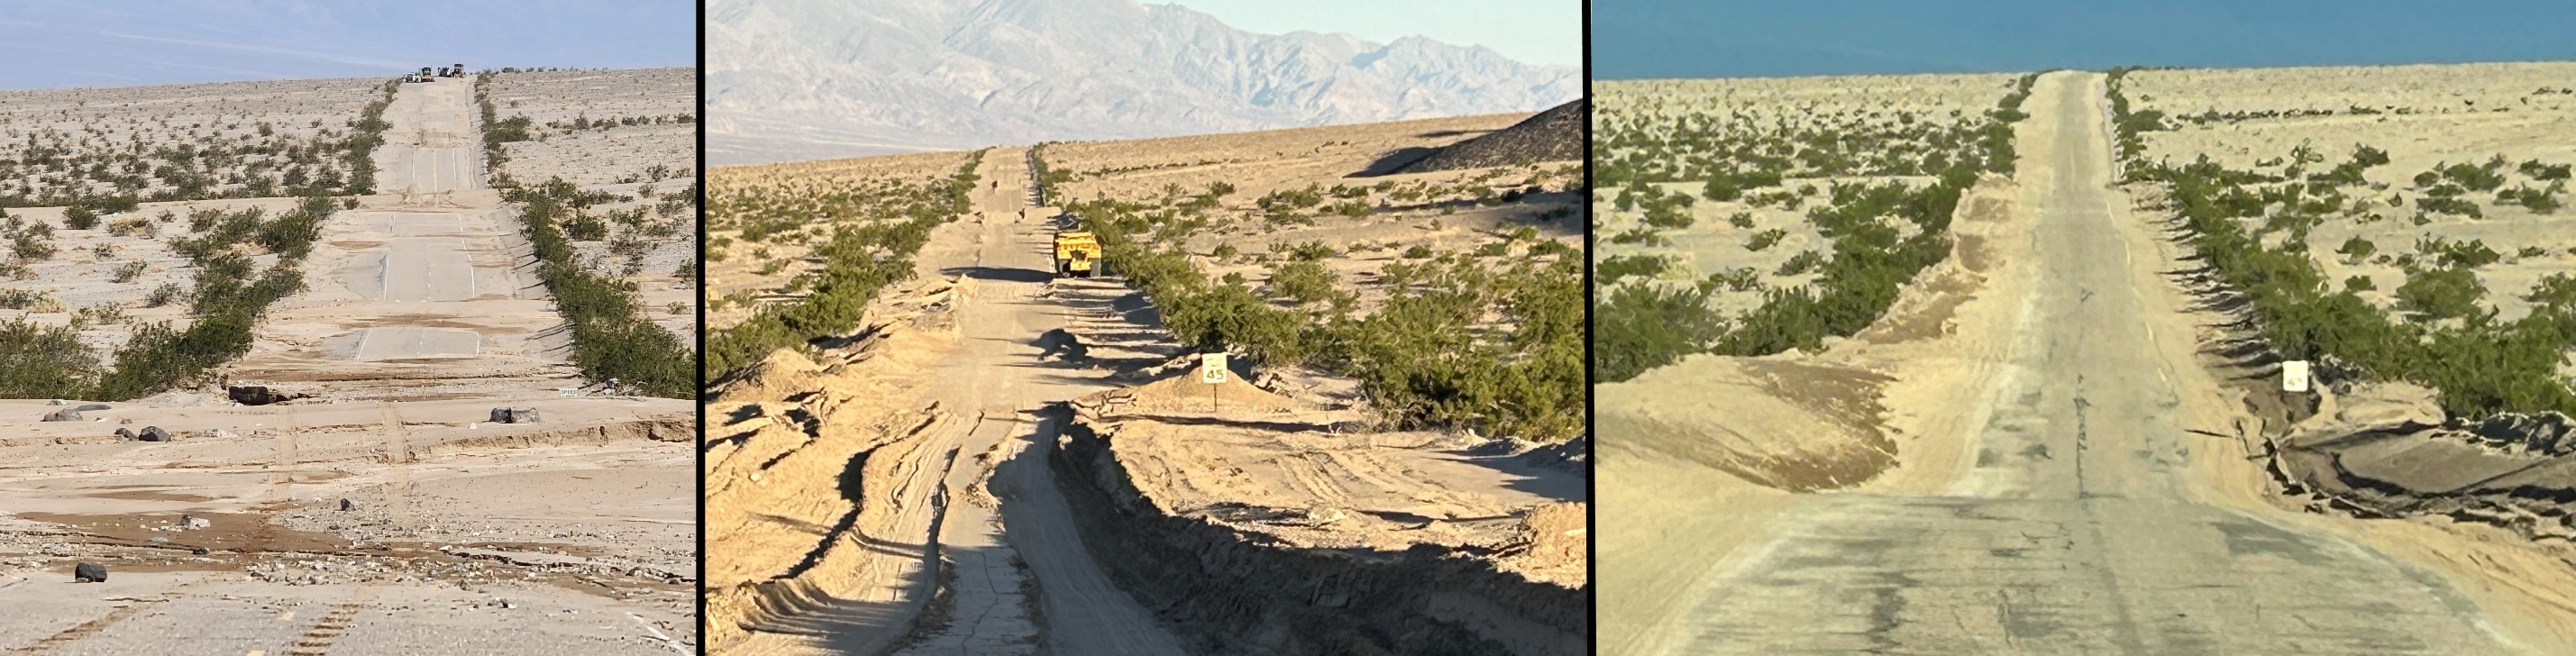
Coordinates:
1077 253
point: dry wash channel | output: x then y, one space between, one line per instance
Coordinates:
999 461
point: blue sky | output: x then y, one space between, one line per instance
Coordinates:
58 43
1530 31
1682 38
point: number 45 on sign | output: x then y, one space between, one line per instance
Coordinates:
1212 368
1212 371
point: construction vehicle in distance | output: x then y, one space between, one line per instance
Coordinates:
456 71
423 76
1077 254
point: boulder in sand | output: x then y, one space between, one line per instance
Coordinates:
514 415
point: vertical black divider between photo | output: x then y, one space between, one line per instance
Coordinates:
1591 426
701 601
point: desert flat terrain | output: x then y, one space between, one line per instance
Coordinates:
1715 180
233 139
2507 121
374 503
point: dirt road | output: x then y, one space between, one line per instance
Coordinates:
1021 532
2093 518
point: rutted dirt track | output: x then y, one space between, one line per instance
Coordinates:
989 383
383 512
2096 497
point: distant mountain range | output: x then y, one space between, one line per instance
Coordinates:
809 80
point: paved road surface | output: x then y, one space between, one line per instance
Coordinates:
426 269
398 343
2076 533
433 145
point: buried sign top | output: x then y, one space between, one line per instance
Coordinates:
1212 368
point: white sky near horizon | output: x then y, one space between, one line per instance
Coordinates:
1530 31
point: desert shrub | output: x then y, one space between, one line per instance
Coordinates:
1302 281
2540 201
27 246
101 314
1803 262
292 233
167 293
2554 291
2461 254
23 299
2443 293
134 227
1417 251
44 362
1615 267
2449 205
1291 199
611 338
1868 264
80 217
2480 367
1764 239
1640 236
1668 216
1552 248
1640 327
127 272
2358 248
2359 284
1410 358
1742 220
584 226
1424 359
2475 177
1311 250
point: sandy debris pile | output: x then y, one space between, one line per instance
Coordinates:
1215 569
1552 135
2385 450
1786 424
